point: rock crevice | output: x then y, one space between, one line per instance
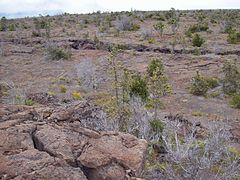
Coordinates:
86 44
71 148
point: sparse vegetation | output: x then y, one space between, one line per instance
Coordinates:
158 84
197 40
147 34
138 87
124 23
196 28
235 102
197 113
215 94
136 70
12 27
51 93
56 53
157 127
212 82
159 27
76 95
199 85
173 20
186 155
29 102
231 81
233 37
3 24
63 89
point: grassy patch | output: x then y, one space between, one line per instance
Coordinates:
55 53
235 101
63 89
76 95
197 114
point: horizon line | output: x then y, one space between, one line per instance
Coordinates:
32 14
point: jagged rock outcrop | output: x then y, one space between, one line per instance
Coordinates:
46 143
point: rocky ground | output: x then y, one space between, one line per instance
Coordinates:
61 137
65 143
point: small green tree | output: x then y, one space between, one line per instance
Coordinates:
183 42
155 65
114 70
197 40
37 27
231 81
12 27
196 28
199 85
173 43
125 85
159 28
3 24
158 84
233 37
200 16
56 53
138 87
47 29
173 20
120 82
235 102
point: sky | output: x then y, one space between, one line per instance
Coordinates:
86 6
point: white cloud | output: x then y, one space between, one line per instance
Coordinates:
84 6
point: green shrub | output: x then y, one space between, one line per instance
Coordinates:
63 89
29 102
212 82
76 95
36 34
156 125
138 87
25 26
135 27
151 40
43 24
159 27
158 85
159 17
231 81
199 85
196 52
55 53
215 94
213 21
197 113
228 28
196 28
3 24
197 40
233 37
235 102
155 66
11 27
51 93
122 47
